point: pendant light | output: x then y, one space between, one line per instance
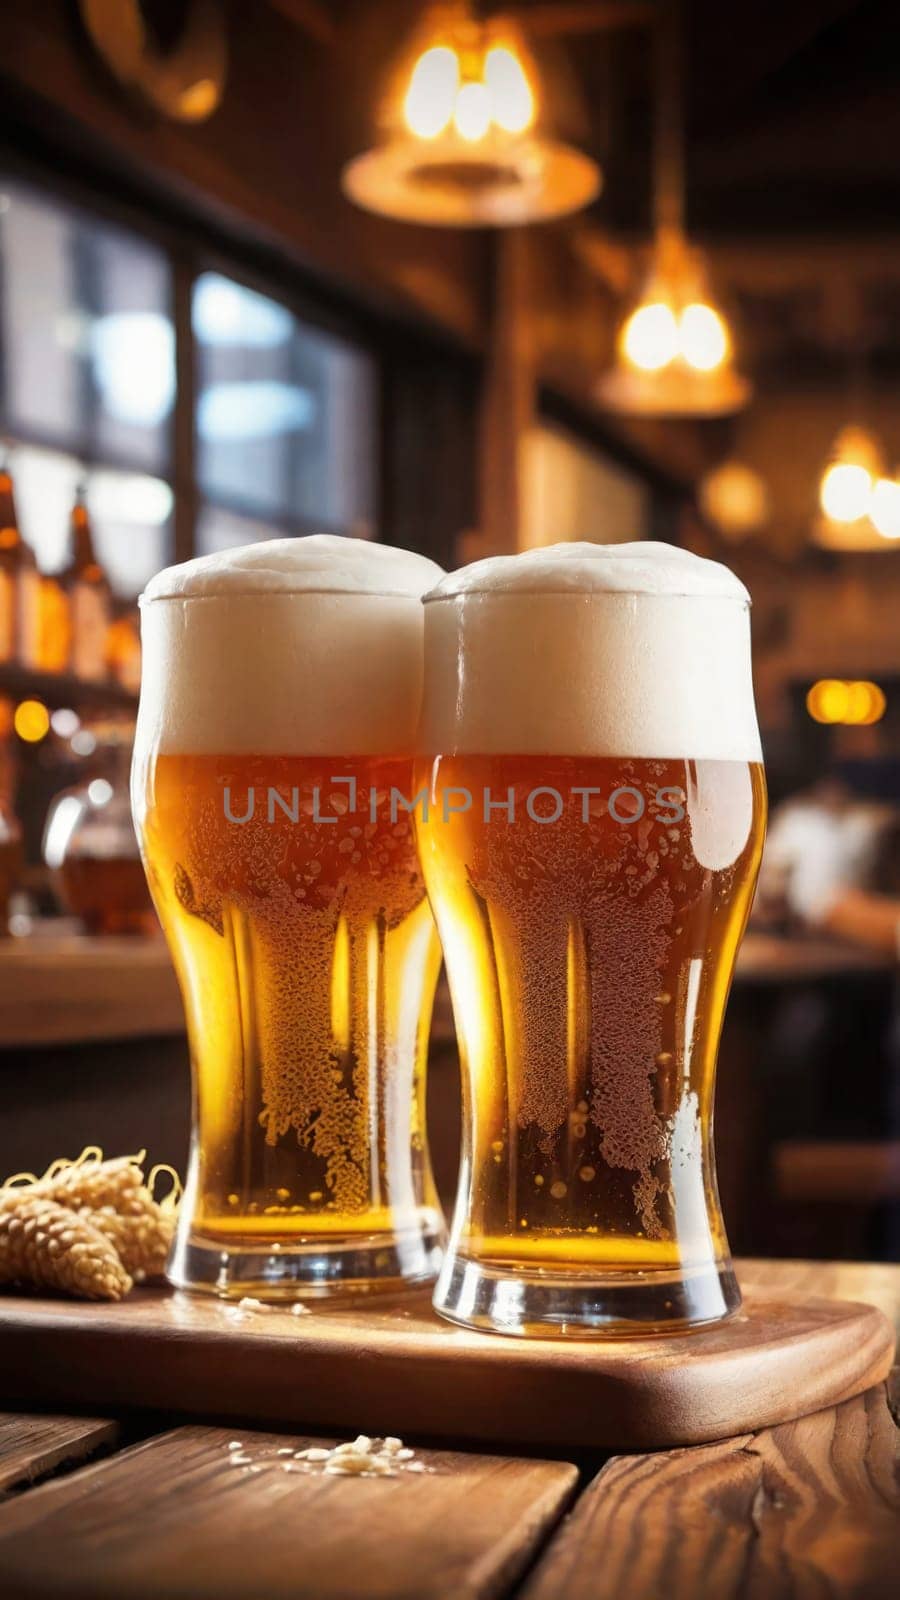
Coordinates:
674 354
859 504
463 136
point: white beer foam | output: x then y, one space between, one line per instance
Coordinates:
638 650
644 567
294 646
321 563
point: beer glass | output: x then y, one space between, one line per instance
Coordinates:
280 694
590 835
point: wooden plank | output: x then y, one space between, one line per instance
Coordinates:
30 1447
771 958
808 1509
176 1518
876 1283
72 989
389 1366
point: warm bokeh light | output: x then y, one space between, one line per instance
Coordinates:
877 704
702 337
656 334
100 791
199 100
852 704
846 492
65 722
472 113
432 93
884 508
827 700
675 350
650 337
437 95
735 499
861 701
32 721
512 101
462 137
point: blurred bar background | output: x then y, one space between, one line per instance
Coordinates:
662 301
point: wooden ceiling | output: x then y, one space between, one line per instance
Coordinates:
792 135
793 106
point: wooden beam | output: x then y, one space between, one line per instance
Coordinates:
311 16
759 264
582 16
509 399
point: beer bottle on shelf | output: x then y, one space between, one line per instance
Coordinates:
89 595
55 641
123 650
11 854
19 585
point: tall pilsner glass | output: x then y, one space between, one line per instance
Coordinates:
281 690
595 815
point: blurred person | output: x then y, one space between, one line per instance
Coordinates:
831 864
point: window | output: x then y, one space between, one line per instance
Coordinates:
285 418
285 424
88 382
131 514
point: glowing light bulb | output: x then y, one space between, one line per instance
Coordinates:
32 721
854 704
877 704
432 93
650 337
846 492
884 508
828 700
512 102
859 704
472 115
702 337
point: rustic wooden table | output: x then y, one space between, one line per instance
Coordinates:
133 1508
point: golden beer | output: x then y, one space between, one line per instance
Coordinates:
590 908
295 910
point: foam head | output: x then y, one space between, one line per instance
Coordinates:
639 650
294 646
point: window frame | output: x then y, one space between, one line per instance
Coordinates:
192 249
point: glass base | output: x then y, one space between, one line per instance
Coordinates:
306 1269
633 1304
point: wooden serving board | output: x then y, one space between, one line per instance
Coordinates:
397 1368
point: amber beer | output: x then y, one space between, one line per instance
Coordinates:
108 893
595 815
281 690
